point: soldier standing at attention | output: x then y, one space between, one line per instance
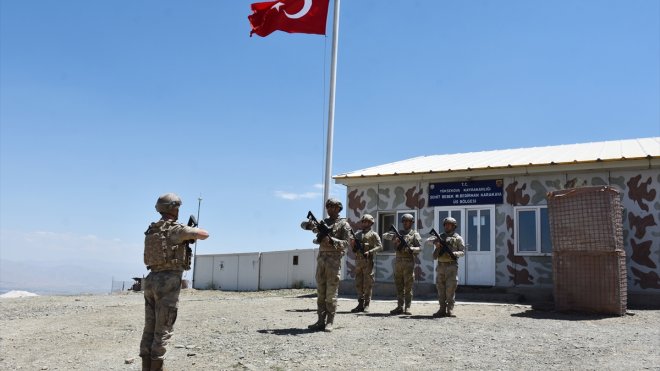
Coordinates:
447 269
404 267
364 263
328 264
167 255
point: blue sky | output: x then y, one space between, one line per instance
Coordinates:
105 105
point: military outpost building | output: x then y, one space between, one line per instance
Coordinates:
499 200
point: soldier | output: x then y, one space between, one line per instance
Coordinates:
404 268
167 255
447 269
364 262
328 264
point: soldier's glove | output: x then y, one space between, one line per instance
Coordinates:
306 225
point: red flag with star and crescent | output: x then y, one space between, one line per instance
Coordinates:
293 16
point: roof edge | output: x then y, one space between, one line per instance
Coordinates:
624 163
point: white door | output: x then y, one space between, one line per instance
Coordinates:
225 272
480 240
476 224
248 272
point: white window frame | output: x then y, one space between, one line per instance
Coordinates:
537 232
396 220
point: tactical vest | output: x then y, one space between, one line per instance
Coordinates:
159 253
368 241
412 241
337 228
452 242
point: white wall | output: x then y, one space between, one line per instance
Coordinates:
230 272
255 271
203 272
278 270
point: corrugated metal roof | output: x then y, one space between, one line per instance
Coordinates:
618 150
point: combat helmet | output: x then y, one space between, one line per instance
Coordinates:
334 201
405 217
168 202
367 218
449 220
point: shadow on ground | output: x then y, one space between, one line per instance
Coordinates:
563 316
376 314
286 331
417 316
301 310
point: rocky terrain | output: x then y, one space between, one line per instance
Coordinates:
218 330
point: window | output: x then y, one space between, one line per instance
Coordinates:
454 213
532 228
478 236
389 218
295 260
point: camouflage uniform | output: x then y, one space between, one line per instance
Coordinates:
404 270
167 258
447 272
328 262
328 267
161 295
364 267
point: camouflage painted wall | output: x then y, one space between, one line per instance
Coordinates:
641 232
640 197
516 270
641 203
379 198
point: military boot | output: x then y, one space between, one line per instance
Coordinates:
397 310
328 324
359 308
319 325
146 363
157 365
407 310
440 313
365 308
448 313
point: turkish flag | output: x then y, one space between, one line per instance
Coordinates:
293 16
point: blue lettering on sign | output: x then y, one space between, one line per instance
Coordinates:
475 192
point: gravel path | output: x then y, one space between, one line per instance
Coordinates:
268 330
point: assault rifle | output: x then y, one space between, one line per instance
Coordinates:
358 245
443 243
321 228
403 245
192 222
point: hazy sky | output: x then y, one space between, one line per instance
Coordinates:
105 105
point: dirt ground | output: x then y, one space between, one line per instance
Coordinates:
218 330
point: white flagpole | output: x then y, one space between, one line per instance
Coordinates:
331 107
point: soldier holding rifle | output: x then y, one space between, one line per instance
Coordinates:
449 246
367 244
408 243
166 255
333 237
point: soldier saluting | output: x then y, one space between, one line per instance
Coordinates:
332 247
166 254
